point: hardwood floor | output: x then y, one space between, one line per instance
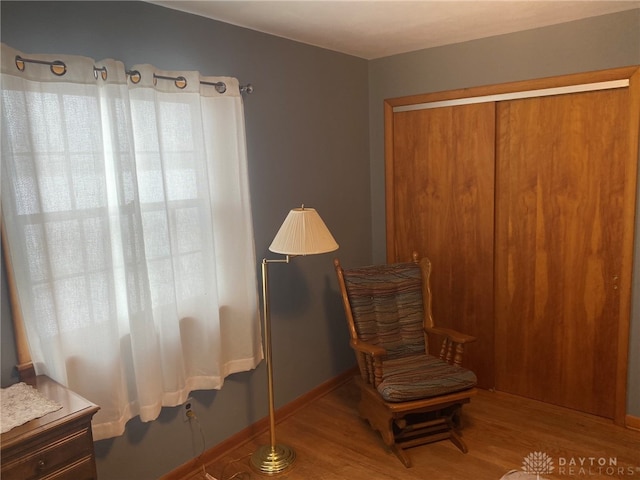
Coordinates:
332 442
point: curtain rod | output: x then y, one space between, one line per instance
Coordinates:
59 68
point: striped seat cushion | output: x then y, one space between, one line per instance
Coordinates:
422 376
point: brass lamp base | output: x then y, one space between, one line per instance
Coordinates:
271 460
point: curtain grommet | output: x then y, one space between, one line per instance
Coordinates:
180 82
58 68
20 63
134 76
103 72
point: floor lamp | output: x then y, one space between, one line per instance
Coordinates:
302 233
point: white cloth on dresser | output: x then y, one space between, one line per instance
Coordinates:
21 403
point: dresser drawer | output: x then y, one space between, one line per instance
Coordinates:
56 446
83 469
47 458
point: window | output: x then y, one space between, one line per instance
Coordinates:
128 220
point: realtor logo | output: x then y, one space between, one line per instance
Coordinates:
537 463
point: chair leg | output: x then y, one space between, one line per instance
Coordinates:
455 427
458 441
381 420
378 417
457 418
402 455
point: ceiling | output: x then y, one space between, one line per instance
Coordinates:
373 29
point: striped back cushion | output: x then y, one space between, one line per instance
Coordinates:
386 303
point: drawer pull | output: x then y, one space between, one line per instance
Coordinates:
41 465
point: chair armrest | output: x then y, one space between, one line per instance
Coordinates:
453 335
452 344
368 348
369 360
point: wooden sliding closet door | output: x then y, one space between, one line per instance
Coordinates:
565 200
440 189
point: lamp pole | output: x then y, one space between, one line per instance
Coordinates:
273 458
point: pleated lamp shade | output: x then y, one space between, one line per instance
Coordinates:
303 233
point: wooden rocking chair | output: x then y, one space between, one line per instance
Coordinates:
408 395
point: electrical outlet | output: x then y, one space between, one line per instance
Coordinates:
187 410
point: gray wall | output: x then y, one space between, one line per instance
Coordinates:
307 137
315 135
8 357
597 43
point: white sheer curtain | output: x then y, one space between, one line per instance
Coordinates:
126 207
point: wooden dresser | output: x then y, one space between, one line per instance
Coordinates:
57 446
